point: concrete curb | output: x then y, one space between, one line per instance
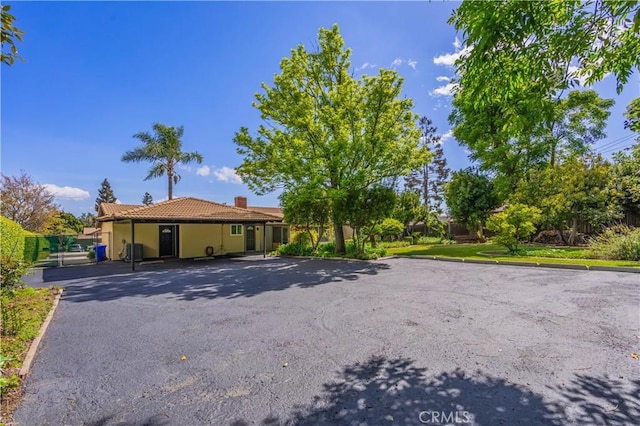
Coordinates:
626 269
26 365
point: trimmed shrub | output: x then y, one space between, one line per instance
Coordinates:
294 249
11 239
619 242
36 247
327 248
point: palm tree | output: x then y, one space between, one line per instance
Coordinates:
163 150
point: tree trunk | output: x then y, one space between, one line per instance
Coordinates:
170 176
339 234
560 230
574 231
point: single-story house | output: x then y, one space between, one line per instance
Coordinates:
187 228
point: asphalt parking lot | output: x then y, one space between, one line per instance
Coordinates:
396 341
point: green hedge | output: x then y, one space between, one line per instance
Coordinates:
36 247
11 239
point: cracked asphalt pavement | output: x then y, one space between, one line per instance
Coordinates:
302 341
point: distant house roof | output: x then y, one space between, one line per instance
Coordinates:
183 209
90 231
273 211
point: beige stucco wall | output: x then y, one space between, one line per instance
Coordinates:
193 238
107 237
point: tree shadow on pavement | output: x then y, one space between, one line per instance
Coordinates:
396 392
226 279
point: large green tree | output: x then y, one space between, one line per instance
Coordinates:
471 197
571 127
430 177
105 194
307 207
163 149
324 128
520 51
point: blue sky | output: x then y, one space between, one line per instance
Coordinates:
96 73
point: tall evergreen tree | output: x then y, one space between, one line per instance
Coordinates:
429 179
105 194
147 199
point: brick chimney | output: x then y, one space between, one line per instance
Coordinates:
240 202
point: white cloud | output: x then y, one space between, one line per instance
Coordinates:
446 136
443 78
203 171
412 63
366 65
447 59
446 90
165 198
117 201
227 174
66 192
184 167
457 44
396 62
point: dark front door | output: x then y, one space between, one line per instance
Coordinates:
250 238
167 240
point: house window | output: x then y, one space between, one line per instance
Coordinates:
236 229
285 235
277 236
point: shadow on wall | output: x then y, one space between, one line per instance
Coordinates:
220 279
394 391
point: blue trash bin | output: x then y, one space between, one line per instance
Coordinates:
101 252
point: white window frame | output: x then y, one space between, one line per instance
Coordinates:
236 227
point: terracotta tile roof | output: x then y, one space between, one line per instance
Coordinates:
273 211
188 208
107 209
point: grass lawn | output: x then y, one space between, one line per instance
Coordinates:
536 254
22 317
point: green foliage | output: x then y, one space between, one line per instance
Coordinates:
325 129
556 253
617 243
579 189
307 207
632 115
408 208
163 150
518 55
514 224
471 198
10 34
36 247
327 248
430 177
396 244
105 194
91 254
626 179
390 228
11 272
294 249
306 237
11 239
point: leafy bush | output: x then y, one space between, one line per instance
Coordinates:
514 224
303 237
327 248
91 254
11 272
619 242
390 228
433 240
12 239
36 247
294 249
395 244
